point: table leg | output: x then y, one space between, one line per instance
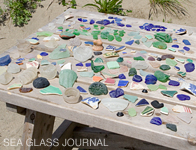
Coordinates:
38 128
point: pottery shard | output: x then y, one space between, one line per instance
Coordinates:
163 57
97 45
28 75
13 68
82 54
6 78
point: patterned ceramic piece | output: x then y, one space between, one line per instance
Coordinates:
120 49
136 86
110 48
164 111
115 104
110 81
189 87
110 54
179 109
32 64
123 83
92 102
147 112
66 66
184 116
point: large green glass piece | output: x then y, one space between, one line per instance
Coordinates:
98 60
163 37
139 58
98 88
132 72
44 34
96 68
169 93
110 37
95 32
104 35
57 54
76 33
67 78
171 62
161 76
159 45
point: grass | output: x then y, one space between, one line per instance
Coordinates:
167 7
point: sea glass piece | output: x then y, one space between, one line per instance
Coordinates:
186 42
5 60
169 93
45 62
149 37
3 69
82 54
148 44
130 98
153 87
165 67
98 60
112 65
6 78
15 86
140 65
171 62
186 117
161 76
96 69
143 73
25 90
142 102
13 68
172 127
98 88
67 78
150 79
132 72
44 34
52 43
48 71
57 54
159 45
156 121
137 37
87 74
129 42
28 75
183 97
132 112
116 93
139 58
75 42
190 67
66 35
163 37
82 90
164 111
115 104
156 104
71 95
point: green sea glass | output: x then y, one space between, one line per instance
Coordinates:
98 88
60 28
57 54
159 45
132 72
189 60
102 27
163 37
118 38
137 42
169 93
139 58
67 78
153 87
120 59
98 60
171 62
96 69
161 76
110 37
87 74
163 87
44 34
113 65
51 90
165 67
132 112
130 98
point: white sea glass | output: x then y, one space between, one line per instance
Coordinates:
52 43
48 71
6 78
24 46
13 68
82 54
28 75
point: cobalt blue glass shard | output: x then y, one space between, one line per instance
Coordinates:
120 24
92 21
35 38
20 59
44 54
129 42
110 48
183 97
156 121
150 79
128 25
81 90
174 83
142 102
84 20
186 42
137 78
80 19
121 76
116 93
190 67
54 63
117 19
186 48
5 60
110 17
177 68
88 64
123 83
79 64
112 22
103 22
175 46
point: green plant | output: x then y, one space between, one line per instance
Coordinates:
21 10
167 7
71 4
108 6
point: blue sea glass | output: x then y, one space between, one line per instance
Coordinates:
79 64
142 102
122 83
186 42
175 46
150 79
44 54
137 78
174 83
130 42
128 25
156 121
190 67
81 90
5 60
186 48
88 64
92 21
122 76
116 93
183 97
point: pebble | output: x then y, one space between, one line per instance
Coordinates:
120 114
159 59
164 57
144 91
151 58
40 82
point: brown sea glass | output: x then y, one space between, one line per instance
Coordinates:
25 90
